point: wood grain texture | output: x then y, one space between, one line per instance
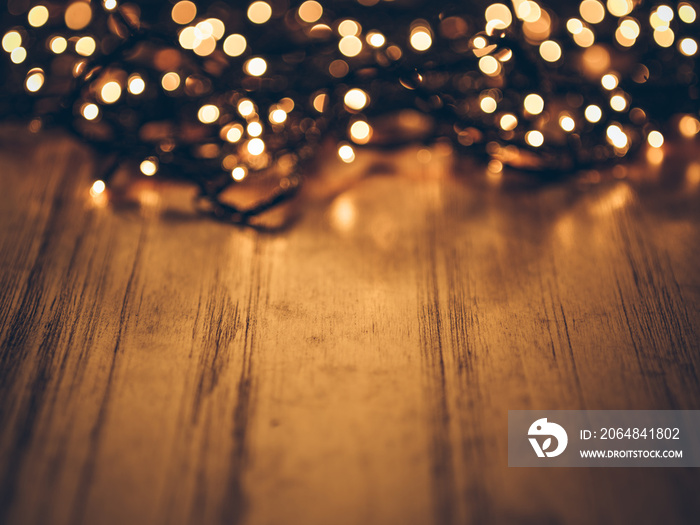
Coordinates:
157 367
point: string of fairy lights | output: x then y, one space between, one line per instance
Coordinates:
216 93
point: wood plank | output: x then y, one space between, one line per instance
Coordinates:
158 367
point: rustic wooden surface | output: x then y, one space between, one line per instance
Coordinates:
157 367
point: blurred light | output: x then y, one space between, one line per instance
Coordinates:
488 104
529 12
259 12
593 113
585 38
310 11
655 139
686 13
98 187
346 153
534 104
592 11
508 122
18 55
664 37
498 16
618 103
205 47
689 126
256 66
421 39
239 173
350 46
208 114
665 13
255 129
319 102
235 45
688 46
534 138
550 51
356 99
620 7
246 107
38 16
171 81
184 12
278 116
376 39
629 28
58 44
149 167
78 15
234 133
256 147
110 5
90 111
136 85
11 41
574 26
360 132
218 28
349 28
567 123
616 136
188 38
495 167
35 80
489 65
85 46
609 81
111 92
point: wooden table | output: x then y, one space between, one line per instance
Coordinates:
355 368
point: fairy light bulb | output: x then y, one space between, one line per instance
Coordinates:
278 116
420 39
534 138
38 16
149 166
508 122
170 81
356 99
488 104
534 104
254 129
256 147
259 12
235 45
256 66
208 114
90 111
111 92
609 81
655 139
246 108
310 11
360 132
136 85
98 187
567 123
239 173
593 113
346 153
184 12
